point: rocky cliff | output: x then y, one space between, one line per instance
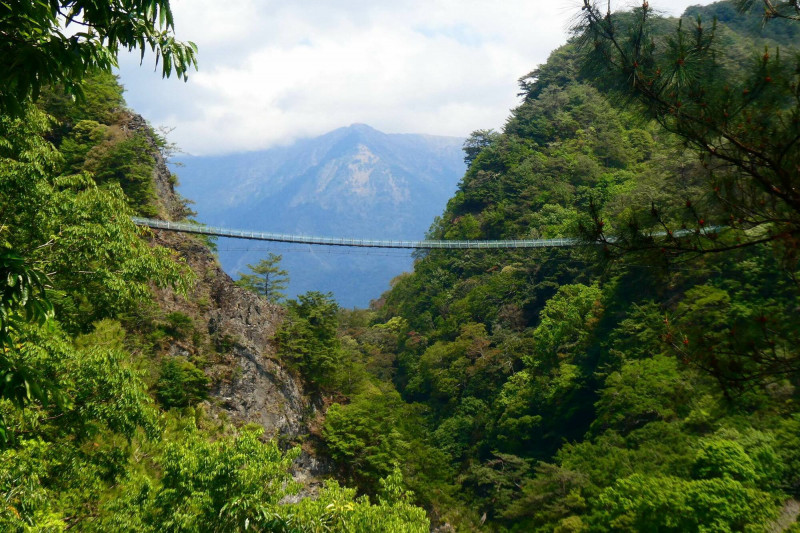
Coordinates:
233 333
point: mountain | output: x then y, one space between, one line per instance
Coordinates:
353 182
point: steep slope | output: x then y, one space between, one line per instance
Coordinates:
232 337
110 343
586 389
354 181
249 384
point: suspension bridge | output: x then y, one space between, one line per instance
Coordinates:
562 242
185 227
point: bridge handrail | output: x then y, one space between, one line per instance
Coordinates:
368 243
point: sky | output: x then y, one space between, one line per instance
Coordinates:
271 72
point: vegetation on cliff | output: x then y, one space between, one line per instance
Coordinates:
101 428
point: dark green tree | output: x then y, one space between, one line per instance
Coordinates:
476 142
181 383
267 279
788 9
307 339
23 301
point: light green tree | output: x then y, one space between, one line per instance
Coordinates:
267 279
37 51
39 48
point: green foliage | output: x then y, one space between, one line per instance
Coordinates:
84 444
338 509
476 142
565 321
229 482
23 301
496 479
179 325
267 279
181 384
742 117
364 436
23 297
511 390
39 50
720 458
83 137
554 496
642 391
643 385
73 450
128 162
640 503
743 15
237 483
64 221
307 339
101 103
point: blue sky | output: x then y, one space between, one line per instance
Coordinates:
275 71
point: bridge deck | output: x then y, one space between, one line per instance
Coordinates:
184 227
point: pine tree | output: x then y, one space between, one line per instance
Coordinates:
267 279
742 117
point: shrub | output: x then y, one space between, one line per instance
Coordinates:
181 384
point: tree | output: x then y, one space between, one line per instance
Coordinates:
477 142
181 383
307 338
36 52
643 503
790 9
23 301
268 278
37 48
743 120
240 483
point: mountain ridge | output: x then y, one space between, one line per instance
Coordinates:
354 181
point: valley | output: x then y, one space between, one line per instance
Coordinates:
644 378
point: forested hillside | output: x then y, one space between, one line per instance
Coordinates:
130 363
645 381
648 383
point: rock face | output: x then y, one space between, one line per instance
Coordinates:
233 332
260 390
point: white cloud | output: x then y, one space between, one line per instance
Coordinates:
271 72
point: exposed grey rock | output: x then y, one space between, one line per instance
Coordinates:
237 327
263 392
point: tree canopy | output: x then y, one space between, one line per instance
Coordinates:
58 42
645 385
742 114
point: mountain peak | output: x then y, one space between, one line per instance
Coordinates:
354 181
358 126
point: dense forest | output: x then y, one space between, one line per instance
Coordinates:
102 427
644 381
645 384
